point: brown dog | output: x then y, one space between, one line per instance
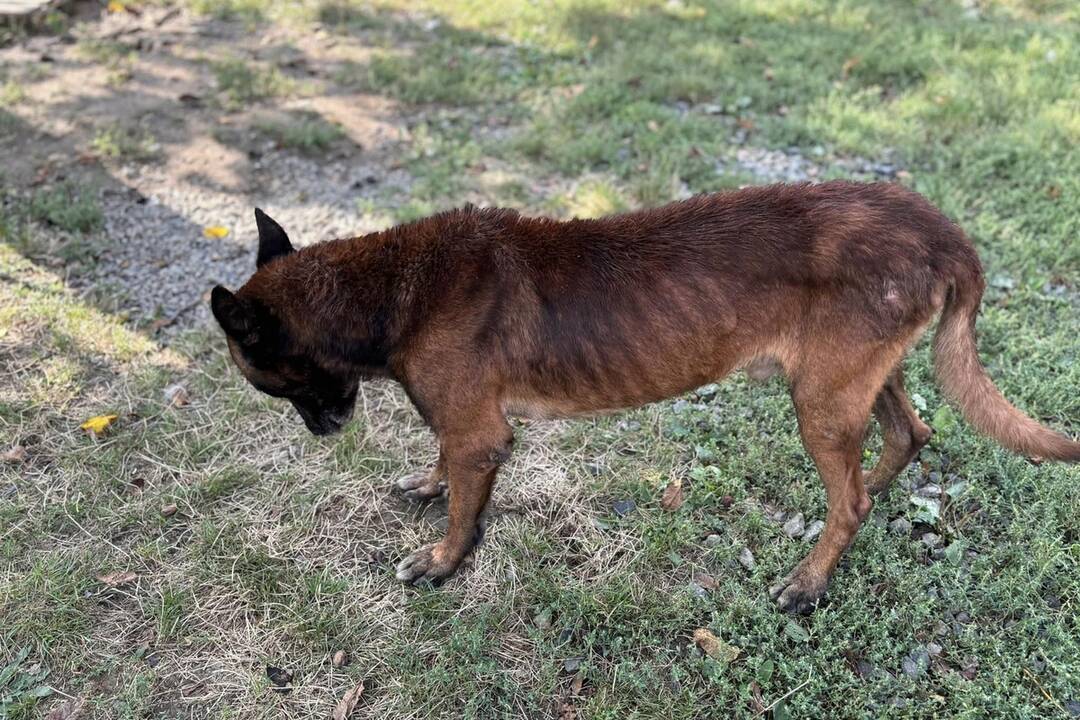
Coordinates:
484 313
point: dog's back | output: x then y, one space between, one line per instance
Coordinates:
627 309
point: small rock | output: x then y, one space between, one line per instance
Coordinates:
340 659
680 406
931 540
727 501
571 665
934 649
900 526
863 668
713 541
916 664
795 526
930 490
623 508
813 530
1073 706
698 591
746 559
168 510
542 619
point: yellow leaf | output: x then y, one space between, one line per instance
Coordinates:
98 423
714 647
215 232
115 7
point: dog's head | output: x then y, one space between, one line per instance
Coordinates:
271 356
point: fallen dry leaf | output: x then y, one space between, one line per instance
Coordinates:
850 64
97 424
348 702
673 498
168 510
714 647
280 677
706 581
69 710
215 232
17 454
160 323
567 712
116 7
177 395
121 577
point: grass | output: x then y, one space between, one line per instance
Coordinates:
116 58
280 549
67 206
307 132
242 82
118 142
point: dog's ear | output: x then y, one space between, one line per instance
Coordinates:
273 242
235 318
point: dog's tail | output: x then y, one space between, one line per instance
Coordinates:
965 382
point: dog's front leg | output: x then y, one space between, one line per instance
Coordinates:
472 458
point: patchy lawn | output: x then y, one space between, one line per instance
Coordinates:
160 569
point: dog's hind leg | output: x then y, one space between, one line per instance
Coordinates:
424 485
833 402
903 430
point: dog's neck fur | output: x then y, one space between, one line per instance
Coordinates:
351 301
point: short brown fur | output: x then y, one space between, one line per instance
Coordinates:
480 313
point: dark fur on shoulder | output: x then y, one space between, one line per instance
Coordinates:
483 312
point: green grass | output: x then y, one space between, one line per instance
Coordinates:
306 132
281 547
242 83
67 206
118 142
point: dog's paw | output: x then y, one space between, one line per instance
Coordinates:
800 591
419 487
428 564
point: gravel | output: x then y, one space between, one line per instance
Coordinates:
795 526
163 264
900 526
793 165
813 530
